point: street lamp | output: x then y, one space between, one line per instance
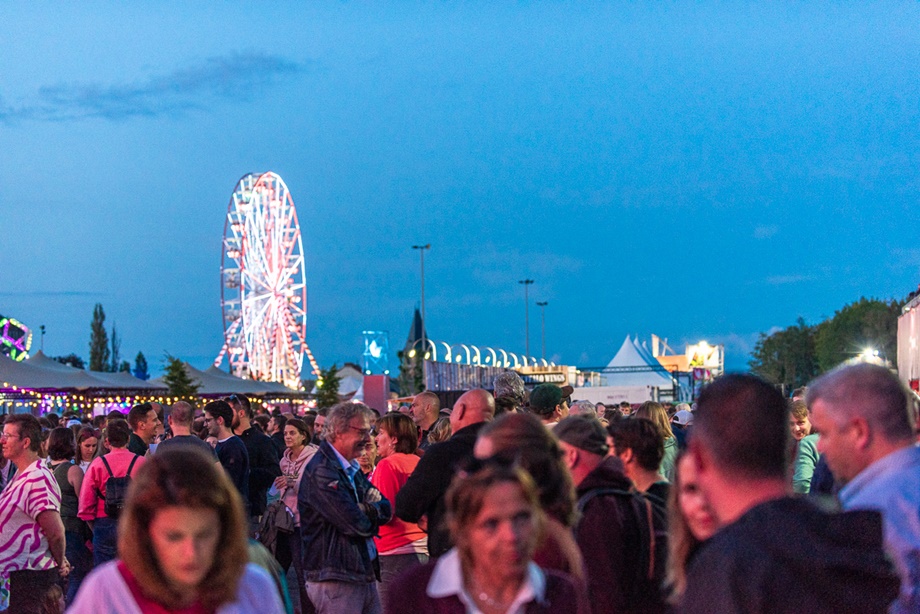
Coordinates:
421 251
541 305
526 283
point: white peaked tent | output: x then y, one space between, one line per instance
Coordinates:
631 354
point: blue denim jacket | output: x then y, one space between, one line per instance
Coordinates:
336 523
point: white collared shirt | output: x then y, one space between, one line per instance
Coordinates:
447 580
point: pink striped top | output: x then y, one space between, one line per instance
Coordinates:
22 543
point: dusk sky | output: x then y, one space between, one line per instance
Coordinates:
693 170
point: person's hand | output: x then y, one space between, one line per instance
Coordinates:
423 523
280 482
372 496
64 568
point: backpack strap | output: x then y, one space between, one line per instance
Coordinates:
107 467
111 475
131 466
642 510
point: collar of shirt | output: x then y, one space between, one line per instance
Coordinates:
885 466
350 467
447 580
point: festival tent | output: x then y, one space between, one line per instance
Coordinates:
635 366
106 381
215 382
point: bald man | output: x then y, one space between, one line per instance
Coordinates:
423 494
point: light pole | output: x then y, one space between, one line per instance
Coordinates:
541 305
525 283
421 251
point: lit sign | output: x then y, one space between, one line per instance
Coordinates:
545 378
15 338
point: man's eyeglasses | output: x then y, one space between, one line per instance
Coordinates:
5 436
364 432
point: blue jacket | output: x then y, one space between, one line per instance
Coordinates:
336 522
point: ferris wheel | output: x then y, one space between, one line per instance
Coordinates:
263 284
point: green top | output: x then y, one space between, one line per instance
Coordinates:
806 457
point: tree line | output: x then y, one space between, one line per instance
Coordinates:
105 351
797 354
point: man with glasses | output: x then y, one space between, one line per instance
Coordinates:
231 451
340 512
31 531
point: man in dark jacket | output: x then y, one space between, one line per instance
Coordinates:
423 494
773 553
615 530
340 512
264 462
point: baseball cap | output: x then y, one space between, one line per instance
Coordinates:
545 397
584 433
683 418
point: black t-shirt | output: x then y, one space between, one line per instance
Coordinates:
234 458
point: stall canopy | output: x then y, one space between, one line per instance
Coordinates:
634 365
214 382
42 373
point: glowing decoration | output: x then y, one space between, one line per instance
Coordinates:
15 338
263 284
376 352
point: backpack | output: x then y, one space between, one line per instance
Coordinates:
646 589
116 489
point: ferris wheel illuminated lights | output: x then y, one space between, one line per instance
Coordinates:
263 283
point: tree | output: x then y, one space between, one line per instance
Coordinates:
177 380
327 388
71 359
140 367
124 367
866 323
787 356
115 353
98 341
411 379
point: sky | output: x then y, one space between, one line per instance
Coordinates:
693 170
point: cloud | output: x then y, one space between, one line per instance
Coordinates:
781 280
765 232
234 77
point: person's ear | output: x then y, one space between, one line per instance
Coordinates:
699 456
862 433
626 456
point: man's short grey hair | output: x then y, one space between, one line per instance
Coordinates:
182 413
339 417
869 391
583 408
508 384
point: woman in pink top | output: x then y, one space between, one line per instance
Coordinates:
297 436
400 544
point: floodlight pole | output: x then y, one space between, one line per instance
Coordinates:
526 283
541 305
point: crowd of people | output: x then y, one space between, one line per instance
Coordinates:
507 502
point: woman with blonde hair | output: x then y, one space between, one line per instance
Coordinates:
181 546
523 439
690 523
656 412
496 522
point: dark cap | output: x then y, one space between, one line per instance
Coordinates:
584 433
545 397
